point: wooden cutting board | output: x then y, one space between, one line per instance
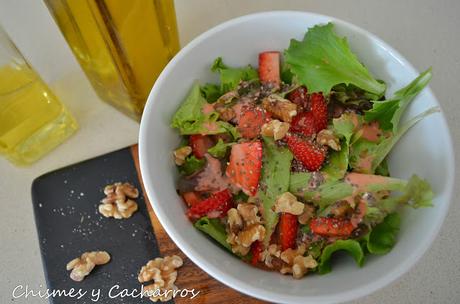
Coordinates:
65 206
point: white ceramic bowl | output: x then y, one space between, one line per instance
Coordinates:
425 150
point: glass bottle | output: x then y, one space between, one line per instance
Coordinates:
32 120
122 46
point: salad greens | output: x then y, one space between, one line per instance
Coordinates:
290 159
274 181
323 60
230 77
337 166
191 165
351 246
220 149
382 237
213 228
193 118
388 114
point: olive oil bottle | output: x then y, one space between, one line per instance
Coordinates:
32 120
122 46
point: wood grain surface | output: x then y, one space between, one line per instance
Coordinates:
191 276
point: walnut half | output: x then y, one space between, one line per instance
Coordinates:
296 263
280 108
244 227
287 202
275 129
82 266
328 138
181 154
163 273
119 202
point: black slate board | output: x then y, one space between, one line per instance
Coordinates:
65 204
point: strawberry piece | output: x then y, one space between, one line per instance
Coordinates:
328 226
191 198
310 154
200 144
215 206
288 227
256 251
245 166
319 110
304 123
269 68
250 122
299 96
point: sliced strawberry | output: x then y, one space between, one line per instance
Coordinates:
245 166
304 123
307 152
216 205
269 68
256 251
191 198
319 110
251 121
200 144
299 96
288 227
328 226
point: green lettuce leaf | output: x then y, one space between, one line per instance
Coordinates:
231 77
298 182
211 92
414 192
350 246
191 119
191 165
324 195
220 149
366 156
323 60
388 112
215 229
274 181
382 168
382 238
337 164
350 94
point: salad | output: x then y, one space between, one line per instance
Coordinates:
285 165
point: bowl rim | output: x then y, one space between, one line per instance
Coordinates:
221 276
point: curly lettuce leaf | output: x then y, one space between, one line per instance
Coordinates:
192 118
273 182
220 149
350 94
388 112
211 92
382 238
191 165
323 60
231 77
215 229
352 247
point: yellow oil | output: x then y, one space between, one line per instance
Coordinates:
121 45
32 120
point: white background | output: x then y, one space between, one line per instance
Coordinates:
426 32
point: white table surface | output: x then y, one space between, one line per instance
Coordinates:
426 32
